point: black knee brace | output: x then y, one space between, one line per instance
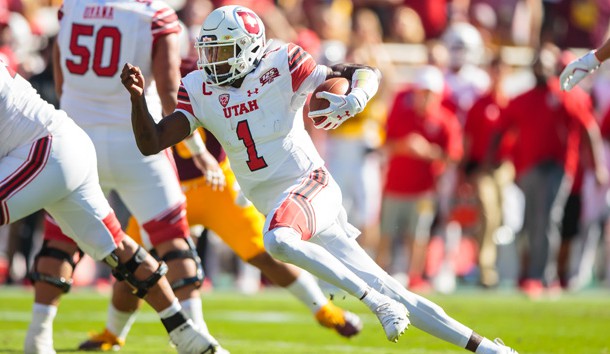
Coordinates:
126 271
60 282
191 253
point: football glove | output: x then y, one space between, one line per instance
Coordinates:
341 108
577 70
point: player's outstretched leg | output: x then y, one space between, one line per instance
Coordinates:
424 314
305 288
285 244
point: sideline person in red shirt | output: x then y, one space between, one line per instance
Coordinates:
481 124
549 125
422 137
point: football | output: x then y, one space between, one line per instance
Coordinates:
336 85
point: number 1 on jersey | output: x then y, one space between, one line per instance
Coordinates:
254 162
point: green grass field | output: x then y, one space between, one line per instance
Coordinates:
272 322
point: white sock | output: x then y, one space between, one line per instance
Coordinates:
306 289
173 309
373 299
487 347
39 338
119 323
192 309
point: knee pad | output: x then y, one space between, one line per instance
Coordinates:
126 271
191 253
59 282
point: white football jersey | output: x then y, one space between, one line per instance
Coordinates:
260 125
24 116
96 38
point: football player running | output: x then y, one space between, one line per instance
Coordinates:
249 97
218 205
95 37
47 161
215 201
579 68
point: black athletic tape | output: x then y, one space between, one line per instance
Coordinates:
474 341
174 321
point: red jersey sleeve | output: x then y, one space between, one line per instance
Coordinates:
60 12
184 101
164 21
300 64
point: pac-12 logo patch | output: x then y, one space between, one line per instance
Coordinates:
224 99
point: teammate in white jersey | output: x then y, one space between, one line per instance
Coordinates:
249 98
47 161
95 37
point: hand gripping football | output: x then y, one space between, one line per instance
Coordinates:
336 85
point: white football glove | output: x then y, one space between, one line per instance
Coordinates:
341 108
577 70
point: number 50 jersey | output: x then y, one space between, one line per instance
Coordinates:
260 124
96 38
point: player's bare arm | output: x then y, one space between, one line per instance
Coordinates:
166 70
151 137
58 76
205 161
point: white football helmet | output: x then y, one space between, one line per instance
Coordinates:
231 43
464 43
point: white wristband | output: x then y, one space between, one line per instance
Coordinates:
194 143
367 81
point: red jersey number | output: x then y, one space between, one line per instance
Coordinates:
254 162
107 45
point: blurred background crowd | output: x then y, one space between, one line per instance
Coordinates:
469 167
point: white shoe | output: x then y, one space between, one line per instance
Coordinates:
189 340
38 342
394 318
503 348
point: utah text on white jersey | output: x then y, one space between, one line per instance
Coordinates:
260 124
96 38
